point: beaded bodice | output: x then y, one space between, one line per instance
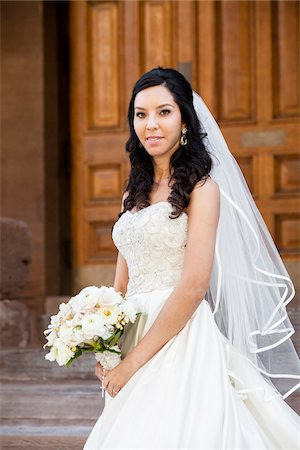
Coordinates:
153 246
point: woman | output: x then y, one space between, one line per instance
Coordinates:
199 367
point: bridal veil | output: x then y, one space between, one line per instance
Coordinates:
249 287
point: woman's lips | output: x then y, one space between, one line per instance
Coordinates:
153 139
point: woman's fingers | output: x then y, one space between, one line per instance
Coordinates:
101 373
111 388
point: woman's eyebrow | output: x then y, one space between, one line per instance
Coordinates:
160 106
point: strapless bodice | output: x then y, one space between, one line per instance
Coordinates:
153 246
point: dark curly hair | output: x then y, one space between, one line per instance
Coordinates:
190 164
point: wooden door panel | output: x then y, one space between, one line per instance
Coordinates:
235 47
156 34
103 65
285 52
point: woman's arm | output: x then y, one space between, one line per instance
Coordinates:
202 226
121 274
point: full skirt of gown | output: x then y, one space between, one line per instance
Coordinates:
191 394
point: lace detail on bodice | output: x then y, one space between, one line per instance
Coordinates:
153 246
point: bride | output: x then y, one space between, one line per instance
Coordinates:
210 362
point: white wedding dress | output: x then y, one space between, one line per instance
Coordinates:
189 395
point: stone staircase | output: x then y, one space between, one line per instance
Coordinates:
47 407
44 406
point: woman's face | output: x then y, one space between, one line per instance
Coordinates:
157 121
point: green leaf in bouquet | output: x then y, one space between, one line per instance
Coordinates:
116 338
109 341
99 347
78 353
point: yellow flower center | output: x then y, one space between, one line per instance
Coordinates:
107 313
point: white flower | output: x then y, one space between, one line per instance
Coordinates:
54 321
86 300
108 332
92 325
90 296
71 336
130 310
76 303
64 309
108 359
109 315
52 336
60 352
76 320
65 334
78 336
109 296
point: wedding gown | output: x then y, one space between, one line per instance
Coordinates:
191 393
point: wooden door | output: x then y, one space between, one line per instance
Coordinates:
243 59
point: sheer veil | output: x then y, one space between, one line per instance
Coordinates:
249 287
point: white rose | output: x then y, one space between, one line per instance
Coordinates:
86 299
92 325
90 296
78 336
109 297
60 352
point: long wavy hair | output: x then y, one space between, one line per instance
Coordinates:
189 164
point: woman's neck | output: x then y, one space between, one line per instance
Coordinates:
161 170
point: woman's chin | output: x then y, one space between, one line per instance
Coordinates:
159 151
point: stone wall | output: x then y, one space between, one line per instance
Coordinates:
22 123
15 261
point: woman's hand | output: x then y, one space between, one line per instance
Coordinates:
116 378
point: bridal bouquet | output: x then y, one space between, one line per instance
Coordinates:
91 321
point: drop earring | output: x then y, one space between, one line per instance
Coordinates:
183 139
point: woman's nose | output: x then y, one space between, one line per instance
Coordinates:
151 123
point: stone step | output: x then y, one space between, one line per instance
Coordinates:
51 403
31 365
43 437
50 416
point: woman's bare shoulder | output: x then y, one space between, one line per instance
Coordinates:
205 188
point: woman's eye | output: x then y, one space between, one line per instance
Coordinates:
165 112
140 115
